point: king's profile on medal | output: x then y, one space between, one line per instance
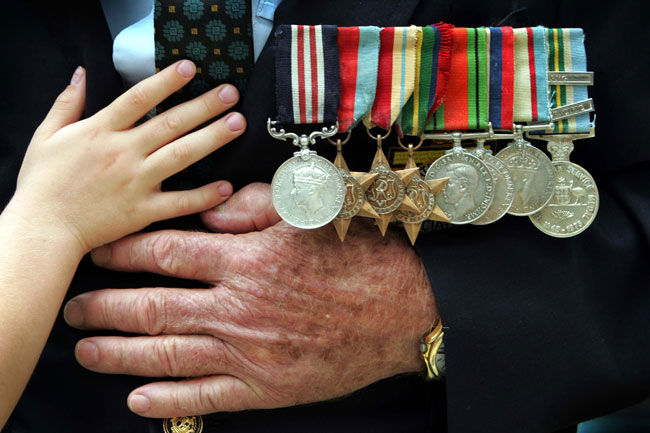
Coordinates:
461 188
308 183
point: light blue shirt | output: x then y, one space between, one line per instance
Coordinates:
131 25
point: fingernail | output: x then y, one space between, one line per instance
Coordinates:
236 122
101 255
186 68
77 76
72 314
139 403
87 354
228 94
225 189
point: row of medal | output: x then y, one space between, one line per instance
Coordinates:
463 186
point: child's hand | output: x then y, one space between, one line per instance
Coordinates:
99 179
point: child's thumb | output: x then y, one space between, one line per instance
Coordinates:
68 107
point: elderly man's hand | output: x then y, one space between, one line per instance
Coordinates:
292 316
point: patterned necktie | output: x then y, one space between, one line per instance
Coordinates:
216 34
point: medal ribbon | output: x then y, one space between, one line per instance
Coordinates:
531 75
307 74
502 77
567 53
433 61
396 77
359 57
466 104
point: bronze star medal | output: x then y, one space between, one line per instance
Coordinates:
422 193
356 185
387 193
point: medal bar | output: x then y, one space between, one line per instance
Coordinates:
570 78
459 84
572 110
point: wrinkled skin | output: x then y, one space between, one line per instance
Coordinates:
292 316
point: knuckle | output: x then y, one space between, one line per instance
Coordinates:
138 96
181 404
104 312
207 399
152 313
164 252
182 152
243 312
173 121
238 359
184 203
64 99
211 103
166 352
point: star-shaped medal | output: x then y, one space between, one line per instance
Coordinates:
355 204
422 193
387 193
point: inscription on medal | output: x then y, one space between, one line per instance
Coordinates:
386 193
470 190
422 196
308 193
354 196
504 190
572 110
570 78
574 204
533 175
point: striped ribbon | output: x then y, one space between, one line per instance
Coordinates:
465 105
531 75
359 57
432 64
396 77
501 77
567 53
307 74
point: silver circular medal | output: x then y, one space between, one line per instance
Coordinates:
308 191
420 193
354 196
470 190
574 204
504 189
386 193
533 174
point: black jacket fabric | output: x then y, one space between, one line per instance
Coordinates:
541 333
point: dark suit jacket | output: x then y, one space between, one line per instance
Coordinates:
542 333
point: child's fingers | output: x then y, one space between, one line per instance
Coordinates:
187 150
173 204
68 107
132 105
183 118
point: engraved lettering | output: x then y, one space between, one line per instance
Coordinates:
571 78
572 110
